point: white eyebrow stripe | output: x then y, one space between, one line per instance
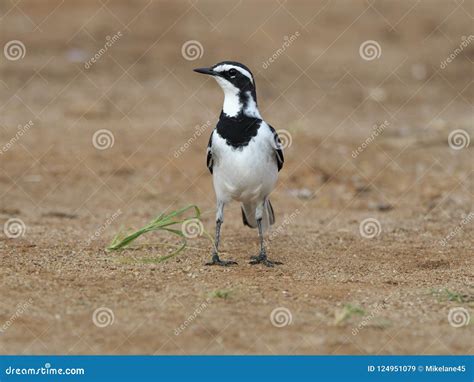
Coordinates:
226 67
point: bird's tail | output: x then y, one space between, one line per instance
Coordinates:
248 215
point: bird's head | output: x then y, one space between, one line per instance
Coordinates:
238 84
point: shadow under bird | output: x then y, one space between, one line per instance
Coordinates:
244 156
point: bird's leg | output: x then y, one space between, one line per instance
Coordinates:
215 252
262 256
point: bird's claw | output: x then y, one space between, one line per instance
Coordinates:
262 259
223 263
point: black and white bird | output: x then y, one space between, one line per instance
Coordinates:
244 156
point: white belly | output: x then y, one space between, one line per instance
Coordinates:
246 174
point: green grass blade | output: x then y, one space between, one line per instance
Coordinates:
163 222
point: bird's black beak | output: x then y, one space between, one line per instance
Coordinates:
208 71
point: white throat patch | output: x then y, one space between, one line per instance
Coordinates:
232 105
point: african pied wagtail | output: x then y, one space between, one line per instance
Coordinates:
244 155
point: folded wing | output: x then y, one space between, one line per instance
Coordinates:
209 160
278 149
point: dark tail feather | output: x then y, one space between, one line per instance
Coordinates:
244 218
251 209
271 214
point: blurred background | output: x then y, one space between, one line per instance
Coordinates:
103 125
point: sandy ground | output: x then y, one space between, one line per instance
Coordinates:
337 292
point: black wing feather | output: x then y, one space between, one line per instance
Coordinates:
278 149
209 161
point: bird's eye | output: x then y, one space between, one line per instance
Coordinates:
232 72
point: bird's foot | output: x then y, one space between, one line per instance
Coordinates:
262 259
223 263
